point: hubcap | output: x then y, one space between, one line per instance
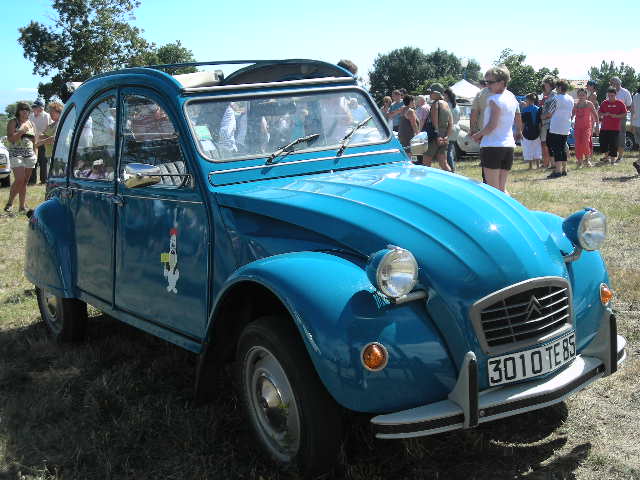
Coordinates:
51 309
272 403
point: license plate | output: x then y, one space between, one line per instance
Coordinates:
531 363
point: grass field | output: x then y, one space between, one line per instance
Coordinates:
120 405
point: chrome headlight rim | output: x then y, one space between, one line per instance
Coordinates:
585 228
383 260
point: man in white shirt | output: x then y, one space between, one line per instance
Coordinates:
624 96
41 121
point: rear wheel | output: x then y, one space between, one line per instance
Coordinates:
66 318
294 418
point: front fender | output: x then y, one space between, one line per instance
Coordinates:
337 312
585 275
49 249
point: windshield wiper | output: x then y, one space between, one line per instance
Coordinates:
288 148
344 143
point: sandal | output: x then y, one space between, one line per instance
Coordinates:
8 207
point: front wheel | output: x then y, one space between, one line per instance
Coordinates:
66 318
295 420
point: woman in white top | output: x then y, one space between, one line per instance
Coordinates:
496 138
559 128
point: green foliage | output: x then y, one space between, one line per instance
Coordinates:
172 53
88 37
4 119
602 75
524 78
411 68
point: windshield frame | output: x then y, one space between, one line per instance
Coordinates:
282 93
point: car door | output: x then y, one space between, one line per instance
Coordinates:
92 195
162 231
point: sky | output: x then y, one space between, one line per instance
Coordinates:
554 34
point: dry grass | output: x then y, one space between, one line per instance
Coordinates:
120 407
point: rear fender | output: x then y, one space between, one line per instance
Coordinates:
50 249
337 312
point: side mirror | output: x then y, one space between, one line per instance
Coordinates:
137 175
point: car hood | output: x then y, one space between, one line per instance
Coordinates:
468 238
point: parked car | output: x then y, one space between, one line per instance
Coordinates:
5 170
251 219
465 145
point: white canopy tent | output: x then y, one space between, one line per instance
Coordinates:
464 89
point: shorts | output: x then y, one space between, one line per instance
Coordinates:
531 149
496 158
26 162
609 142
434 149
543 133
623 128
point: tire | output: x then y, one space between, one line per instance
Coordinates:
66 318
629 142
5 182
458 153
293 417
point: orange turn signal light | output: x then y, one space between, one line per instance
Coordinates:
606 294
375 356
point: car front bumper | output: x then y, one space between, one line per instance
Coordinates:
466 407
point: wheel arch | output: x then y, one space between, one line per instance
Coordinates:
337 312
50 249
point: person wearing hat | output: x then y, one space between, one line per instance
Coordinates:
41 121
439 129
21 135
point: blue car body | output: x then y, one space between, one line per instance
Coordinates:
298 232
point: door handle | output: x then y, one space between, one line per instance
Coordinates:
117 200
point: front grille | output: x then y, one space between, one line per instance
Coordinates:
523 314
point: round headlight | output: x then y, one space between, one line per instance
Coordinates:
592 230
397 272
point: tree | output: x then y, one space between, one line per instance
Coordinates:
88 37
603 74
411 68
172 53
524 78
401 68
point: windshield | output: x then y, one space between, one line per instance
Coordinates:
257 127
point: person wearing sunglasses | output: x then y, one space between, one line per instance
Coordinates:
21 135
497 141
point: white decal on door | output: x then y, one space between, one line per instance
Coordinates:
170 261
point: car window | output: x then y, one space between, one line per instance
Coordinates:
257 127
94 157
150 137
61 154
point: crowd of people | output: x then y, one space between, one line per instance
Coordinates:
499 121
